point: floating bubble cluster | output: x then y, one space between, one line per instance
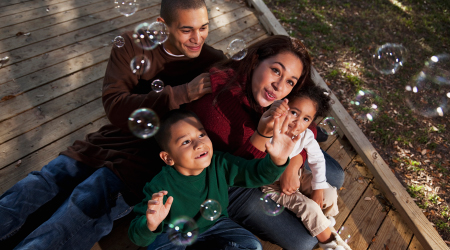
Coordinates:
143 123
389 57
119 42
211 209
237 49
366 105
183 231
150 35
329 125
139 64
269 206
429 92
126 7
157 85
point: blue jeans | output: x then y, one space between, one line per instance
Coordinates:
285 230
93 202
225 234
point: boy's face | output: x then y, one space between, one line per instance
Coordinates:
188 32
190 149
301 113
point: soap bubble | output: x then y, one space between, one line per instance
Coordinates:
389 57
429 92
329 125
149 35
269 206
157 85
139 64
126 7
143 123
237 49
119 41
366 105
211 209
183 231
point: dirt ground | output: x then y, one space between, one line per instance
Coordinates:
343 36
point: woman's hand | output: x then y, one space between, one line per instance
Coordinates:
278 108
156 210
317 196
282 144
199 86
289 180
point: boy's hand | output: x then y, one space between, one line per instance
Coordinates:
282 144
156 210
317 196
277 109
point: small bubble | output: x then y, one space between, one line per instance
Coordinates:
183 231
143 123
269 206
157 85
139 64
119 41
329 125
149 35
237 49
389 57
211 209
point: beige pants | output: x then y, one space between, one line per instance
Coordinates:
313 217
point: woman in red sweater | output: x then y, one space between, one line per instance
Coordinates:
241 92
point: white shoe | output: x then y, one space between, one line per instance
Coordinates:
332 221
336 244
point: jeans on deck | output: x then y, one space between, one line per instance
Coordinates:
285 229
93 202
224 235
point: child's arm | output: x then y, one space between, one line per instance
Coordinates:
149 220
289 180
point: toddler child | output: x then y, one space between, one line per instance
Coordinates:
315 200
194 174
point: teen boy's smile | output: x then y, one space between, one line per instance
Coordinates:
189 150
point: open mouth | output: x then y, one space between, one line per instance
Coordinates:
270 95
202 155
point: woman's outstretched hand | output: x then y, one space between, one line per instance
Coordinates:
278 108
282 144
156 210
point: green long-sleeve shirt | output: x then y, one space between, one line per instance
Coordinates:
189 192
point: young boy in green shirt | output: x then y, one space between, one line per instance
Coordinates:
194 174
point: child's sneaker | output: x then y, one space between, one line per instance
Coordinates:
332 222
336 244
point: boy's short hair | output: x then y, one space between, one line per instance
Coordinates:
169 8
318 95
163 135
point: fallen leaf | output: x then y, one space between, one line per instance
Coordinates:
424 152
342 188
367 198
19 33
18 163
373 239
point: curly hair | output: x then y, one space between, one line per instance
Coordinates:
318 95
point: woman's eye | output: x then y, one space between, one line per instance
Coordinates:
202 135
276 71
186 142
291 83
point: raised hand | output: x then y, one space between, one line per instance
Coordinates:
282 144
156 210
277 109
199 86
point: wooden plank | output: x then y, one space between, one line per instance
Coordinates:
231 28
52 90
39 158
248 35
48 111
222 20
363 222
21 6
393 234
42 11
392 188
23 145
31 26
415 244
11 2
267 19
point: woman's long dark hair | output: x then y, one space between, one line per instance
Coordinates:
259 52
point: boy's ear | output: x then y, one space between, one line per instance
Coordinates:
166 158
161 20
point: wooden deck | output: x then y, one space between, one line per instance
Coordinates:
50 95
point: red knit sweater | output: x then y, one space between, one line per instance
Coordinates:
228 119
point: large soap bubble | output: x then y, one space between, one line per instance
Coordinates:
126 7
389 57
143 123
237 49
183 231
149 35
